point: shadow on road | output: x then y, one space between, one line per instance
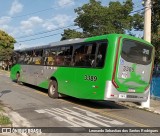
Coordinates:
95 104
4 92
88 103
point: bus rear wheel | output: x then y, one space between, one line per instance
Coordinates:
53 89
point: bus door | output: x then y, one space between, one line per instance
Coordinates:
134 68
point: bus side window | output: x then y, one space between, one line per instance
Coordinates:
50 56
84 55
101 54
79 55
68 55
21 57
28 57
37 57
64 56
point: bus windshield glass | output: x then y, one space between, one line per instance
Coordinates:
136 52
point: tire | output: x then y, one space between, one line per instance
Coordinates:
53 89
18 78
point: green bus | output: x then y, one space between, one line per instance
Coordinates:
115 67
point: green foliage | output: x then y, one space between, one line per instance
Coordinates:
156 28
4 120
96 19
155 15
6 45
71 34
138 22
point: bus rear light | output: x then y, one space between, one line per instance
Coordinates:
112 95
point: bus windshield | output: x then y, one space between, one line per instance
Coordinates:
136 52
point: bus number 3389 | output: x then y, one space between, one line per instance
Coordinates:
90 78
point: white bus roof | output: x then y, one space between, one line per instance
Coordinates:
53 44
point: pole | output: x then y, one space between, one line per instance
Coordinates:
147 21
147 37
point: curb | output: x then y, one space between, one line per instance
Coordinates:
17 121
151 109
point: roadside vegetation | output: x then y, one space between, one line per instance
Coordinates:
4 120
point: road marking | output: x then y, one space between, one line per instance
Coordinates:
120 118
111 115
80 118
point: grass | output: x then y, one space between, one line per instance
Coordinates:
4 120
1 107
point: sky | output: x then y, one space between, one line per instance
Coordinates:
22 19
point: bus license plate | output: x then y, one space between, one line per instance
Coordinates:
123 96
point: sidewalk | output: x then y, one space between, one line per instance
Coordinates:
154 105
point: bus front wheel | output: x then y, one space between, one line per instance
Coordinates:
53 89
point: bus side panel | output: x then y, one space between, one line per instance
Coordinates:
45 74
89 83
66 79
82 83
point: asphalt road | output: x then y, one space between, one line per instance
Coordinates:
36 109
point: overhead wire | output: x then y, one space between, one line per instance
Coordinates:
43 36
43 32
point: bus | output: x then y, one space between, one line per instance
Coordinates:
114 67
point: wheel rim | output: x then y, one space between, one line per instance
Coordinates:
52 89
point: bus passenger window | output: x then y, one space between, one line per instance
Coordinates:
64 56
21 57
28 57
37 57
101 54
84 55
50 56
51 59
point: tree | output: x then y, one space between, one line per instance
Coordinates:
156 29
96 19
6 45
68 34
